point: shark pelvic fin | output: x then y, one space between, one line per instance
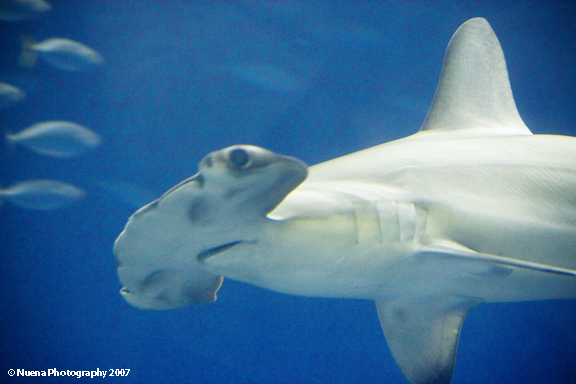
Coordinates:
422 334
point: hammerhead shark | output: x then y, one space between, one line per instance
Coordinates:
473 208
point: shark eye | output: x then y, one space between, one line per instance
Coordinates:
239 157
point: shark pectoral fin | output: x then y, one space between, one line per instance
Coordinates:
423 334
485 264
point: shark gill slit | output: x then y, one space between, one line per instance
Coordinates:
367 222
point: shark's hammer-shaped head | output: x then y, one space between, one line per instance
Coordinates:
161 250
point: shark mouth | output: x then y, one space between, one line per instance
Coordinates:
216 250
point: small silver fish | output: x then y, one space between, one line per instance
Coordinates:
17 10
9 95
56 138
61 53
42 195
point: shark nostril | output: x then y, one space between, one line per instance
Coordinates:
207 161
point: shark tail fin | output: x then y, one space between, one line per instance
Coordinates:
28 54
474 89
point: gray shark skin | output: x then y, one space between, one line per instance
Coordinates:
473 208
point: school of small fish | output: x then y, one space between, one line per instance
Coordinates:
60 139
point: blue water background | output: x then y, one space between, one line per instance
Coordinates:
183 78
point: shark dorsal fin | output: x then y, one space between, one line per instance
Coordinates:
474 89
